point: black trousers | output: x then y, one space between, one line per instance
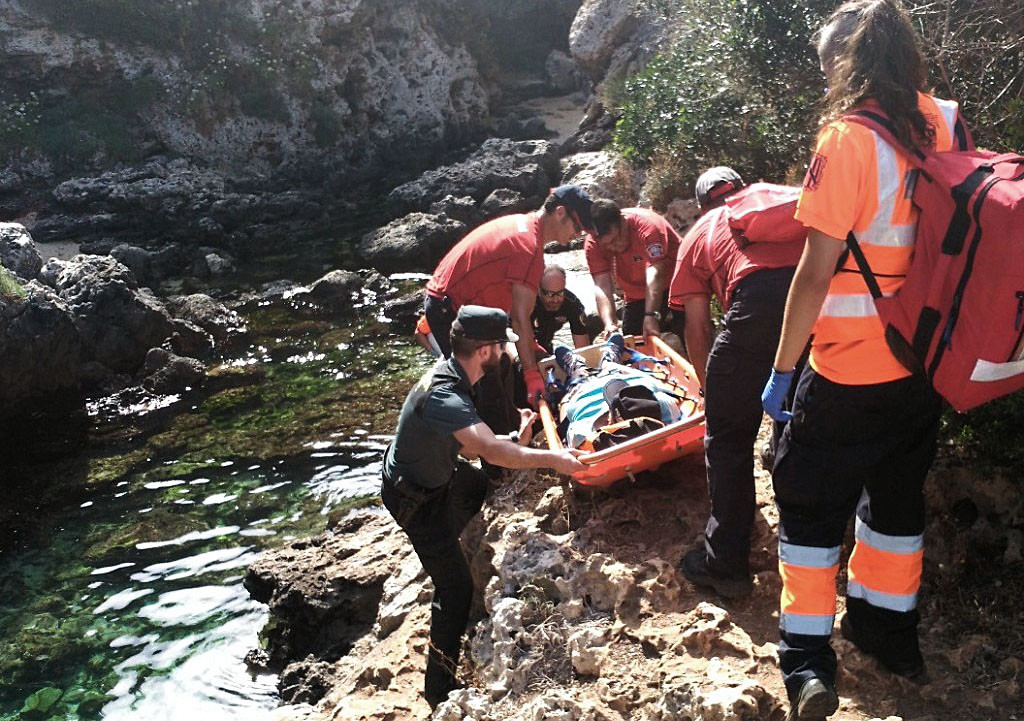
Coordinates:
866 448
738 368
633 318
440 317
433 522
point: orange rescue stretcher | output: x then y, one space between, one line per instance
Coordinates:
645 452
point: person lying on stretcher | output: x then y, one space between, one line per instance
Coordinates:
615 401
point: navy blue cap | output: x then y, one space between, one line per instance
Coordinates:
578 201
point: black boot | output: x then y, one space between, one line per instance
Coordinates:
815 701
696 569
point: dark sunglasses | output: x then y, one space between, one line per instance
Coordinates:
552 293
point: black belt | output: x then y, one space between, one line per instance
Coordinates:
410 489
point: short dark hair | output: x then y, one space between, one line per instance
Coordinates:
605 213
463 347
576 202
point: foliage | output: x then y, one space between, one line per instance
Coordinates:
326 125
10 288
232 64
19 120
990 433
731 88
739 83
976 55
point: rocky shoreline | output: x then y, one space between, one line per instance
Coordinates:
583 615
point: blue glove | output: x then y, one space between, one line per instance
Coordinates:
773 397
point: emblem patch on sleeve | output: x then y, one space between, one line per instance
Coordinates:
814 172
655 251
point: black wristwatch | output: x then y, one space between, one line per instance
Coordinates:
514 437
653 314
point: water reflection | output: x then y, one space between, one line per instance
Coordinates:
160 622
130 604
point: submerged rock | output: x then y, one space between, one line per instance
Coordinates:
165 373
214 317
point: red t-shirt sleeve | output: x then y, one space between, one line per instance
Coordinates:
692 274
654 241
597 260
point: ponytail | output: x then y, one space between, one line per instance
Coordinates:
870 51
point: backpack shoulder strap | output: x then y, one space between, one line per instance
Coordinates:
962 139
883 126
862 264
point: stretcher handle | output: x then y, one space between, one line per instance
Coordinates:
550 427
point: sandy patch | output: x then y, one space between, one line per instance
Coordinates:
61 250
561 114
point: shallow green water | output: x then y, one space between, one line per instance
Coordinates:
126 601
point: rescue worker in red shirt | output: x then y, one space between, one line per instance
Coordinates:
863 429
499 265
633 248
750 275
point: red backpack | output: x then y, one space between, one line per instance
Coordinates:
959 316
763 212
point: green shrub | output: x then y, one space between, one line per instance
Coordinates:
10 288
75 131
19 122
739 85
265 102
136 22
989 434
733 88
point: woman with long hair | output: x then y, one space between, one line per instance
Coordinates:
863 428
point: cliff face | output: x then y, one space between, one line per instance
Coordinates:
253 84
263 96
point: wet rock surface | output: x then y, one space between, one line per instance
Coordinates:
412 243
586 616
83 326
157 217
527 167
